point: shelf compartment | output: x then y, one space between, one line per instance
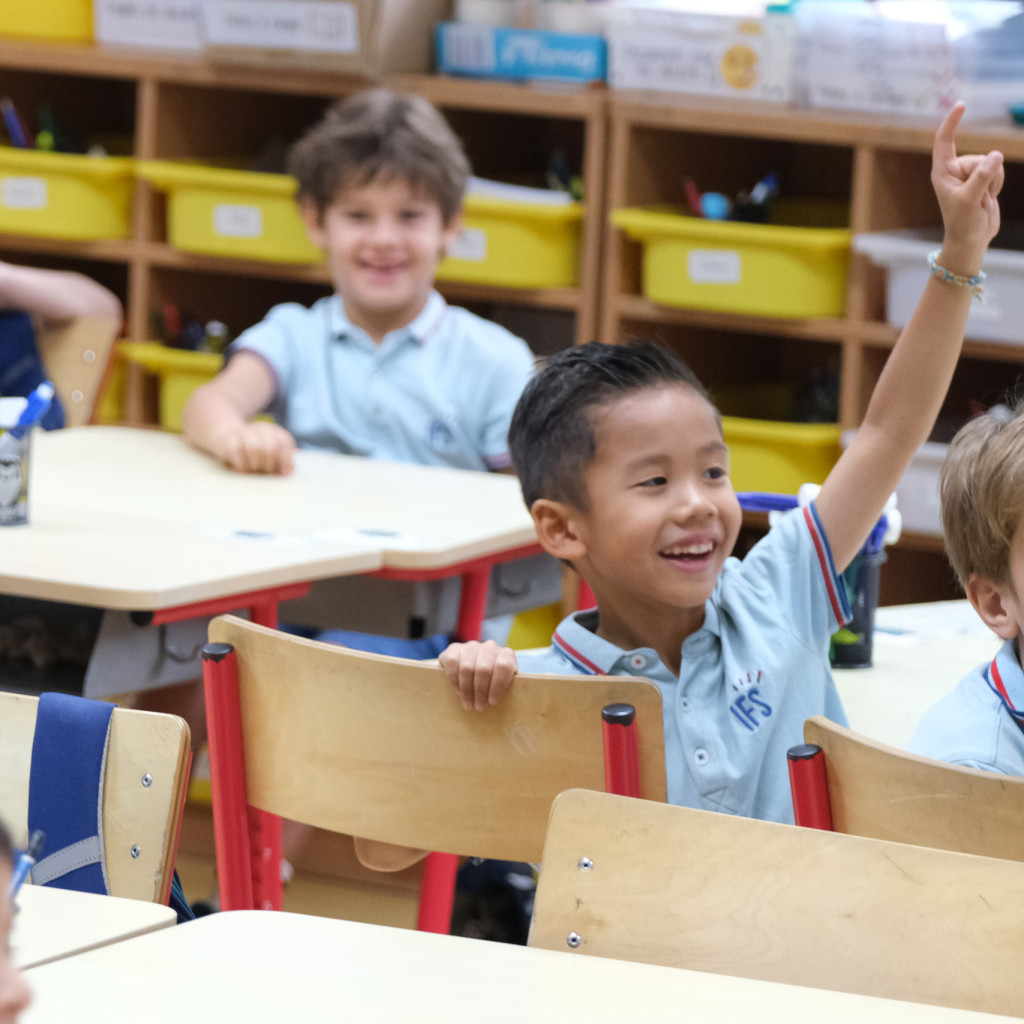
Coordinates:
766 455
517 245
777 270
237 214
179 372
65 195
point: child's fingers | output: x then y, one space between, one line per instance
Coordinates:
481 673
985 176
944 147
504 674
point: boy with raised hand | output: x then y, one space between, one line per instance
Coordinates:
383 367
626 473
980 724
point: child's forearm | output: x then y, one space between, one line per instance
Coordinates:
918 372
208 418
55 294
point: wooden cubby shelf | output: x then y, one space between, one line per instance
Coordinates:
630 149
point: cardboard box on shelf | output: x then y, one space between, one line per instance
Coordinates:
161 24
718 55
489 51
898 58
355 36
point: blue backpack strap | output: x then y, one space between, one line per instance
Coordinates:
65 794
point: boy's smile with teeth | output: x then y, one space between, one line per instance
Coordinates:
662 516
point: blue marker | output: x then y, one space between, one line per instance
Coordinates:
38 403
26 861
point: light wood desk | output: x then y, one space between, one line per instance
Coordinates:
54 923
260 966
920 653
137 521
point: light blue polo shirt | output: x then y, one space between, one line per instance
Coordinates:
750 676
978 724
438 392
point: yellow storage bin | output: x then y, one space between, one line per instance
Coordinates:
780 269
180 373
773 456
516 244
47 19
64 195
239 214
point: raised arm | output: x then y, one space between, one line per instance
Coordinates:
917 374
216 419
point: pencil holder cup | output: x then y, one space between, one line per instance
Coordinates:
15 448
851 645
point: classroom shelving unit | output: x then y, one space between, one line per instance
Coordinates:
185 108
631 149
880 167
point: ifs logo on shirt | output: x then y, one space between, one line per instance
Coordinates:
748 705
441 434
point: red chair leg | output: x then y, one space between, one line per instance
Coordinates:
227 777
437 893
473 602
809 786
621 757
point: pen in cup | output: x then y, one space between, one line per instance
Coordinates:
35 409
26 861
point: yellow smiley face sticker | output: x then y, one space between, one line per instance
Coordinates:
739 67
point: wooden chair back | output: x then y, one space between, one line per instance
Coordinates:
880 791
136 814
636 880
76 354
382 747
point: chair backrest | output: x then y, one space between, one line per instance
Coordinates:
76 354
880 791
135 814
668 885
382 747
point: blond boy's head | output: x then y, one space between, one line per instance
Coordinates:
982 491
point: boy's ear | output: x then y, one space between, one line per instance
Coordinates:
313 218
994 604
557 529
450 232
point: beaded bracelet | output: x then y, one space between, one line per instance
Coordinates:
973 284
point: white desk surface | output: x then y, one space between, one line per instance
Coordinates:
137 520
54 923
920 653
261 966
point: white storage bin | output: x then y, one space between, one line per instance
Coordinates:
905 255
917 493
896 57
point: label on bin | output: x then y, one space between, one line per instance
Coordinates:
470 244
714 266
234 220
21 193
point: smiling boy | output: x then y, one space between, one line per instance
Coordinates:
626 474
383 367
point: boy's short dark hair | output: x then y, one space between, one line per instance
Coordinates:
380 134
982 493
552 433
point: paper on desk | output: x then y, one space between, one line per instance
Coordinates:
393 540
930 622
